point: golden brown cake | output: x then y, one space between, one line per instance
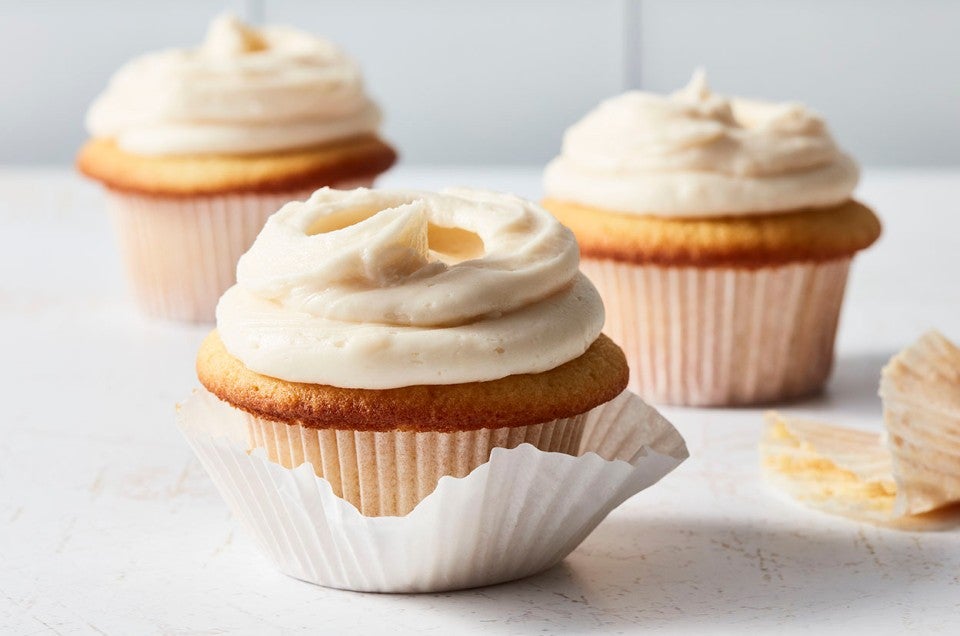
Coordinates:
760 240
355 160
719 233
393 338
197 147
573 388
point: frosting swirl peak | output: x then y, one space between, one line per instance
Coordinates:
381 289
244 90
695 153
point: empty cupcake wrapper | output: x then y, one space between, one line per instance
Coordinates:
716 336
517 514
181 253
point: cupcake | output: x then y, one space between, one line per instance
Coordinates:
719 233
197 147
390 339
409 392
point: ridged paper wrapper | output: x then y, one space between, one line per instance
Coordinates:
518 513
723 336
390 472
857 474
181 253
920 388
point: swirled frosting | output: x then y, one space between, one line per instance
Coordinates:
380 289
697 154
244 90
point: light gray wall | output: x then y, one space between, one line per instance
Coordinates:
497 81
885 73
470 81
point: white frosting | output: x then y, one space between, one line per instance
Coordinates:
695 153
373 289
244 90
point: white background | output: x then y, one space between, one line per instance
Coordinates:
497 81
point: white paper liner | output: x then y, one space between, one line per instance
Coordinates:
390 472
716 336
516 515
181 253
920 389
843 471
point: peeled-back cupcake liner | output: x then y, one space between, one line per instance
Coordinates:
517 514
390 472
715 336
181 253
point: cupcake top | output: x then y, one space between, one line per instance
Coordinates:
244 90
378 289
698 154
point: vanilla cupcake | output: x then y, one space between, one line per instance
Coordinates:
198 147
719 233
409 392
393 338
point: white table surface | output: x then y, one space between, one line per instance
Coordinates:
109 525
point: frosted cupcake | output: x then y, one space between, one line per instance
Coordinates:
393 338
198 147
720 233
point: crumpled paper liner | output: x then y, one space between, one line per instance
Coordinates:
838 470
842 471
390 472
181 253
517 514
722 336
920 389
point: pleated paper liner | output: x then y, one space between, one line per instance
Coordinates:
846 472
519 513
920 389
838 470
720 336
181 253
388 473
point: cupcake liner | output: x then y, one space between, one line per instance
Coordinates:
517 514
717 336
390 472
181 253
920 389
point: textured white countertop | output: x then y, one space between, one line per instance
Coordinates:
109 525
